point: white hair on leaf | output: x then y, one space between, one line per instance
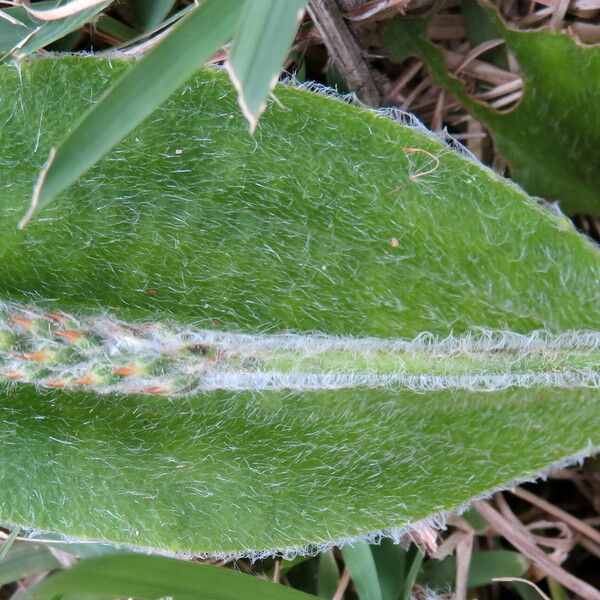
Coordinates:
106 356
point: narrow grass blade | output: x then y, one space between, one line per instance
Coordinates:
527 589
149 577
475 520
390 560
288 565
361 564
63 11
413 571
8 543
25 559
146 85
328 575
78 549
557 591
485 566
30 34
115 28
267 28
151 13
10 19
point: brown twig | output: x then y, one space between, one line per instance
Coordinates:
560 10
521 580
375 9
277 571
565 517
531 551
342 585
464 550
344 50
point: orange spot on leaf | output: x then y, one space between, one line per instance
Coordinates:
127 371
56 317
87 379
23 321
156 389
56 383
72 335
38 356
13 375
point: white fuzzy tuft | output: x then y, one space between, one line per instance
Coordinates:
113 356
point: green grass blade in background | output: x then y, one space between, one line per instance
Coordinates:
480 27
114 28
328 575
151 577
390 560
83 549
145 85
557 591
359 561
8 543
485 565
151 13
551 138
24 559
61 10
414 560
260 46
192 221
34 34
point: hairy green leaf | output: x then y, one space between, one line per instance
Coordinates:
551 138
141 89
155 395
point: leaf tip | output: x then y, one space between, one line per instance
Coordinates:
35 196
252 116
61 12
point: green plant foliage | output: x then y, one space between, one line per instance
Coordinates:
484 566
151 577
481 27
391 562
148 83
361 564
25 559
415 560
8 543
319 223
149 14
30 34
551 138
328 575
385 571
259 48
